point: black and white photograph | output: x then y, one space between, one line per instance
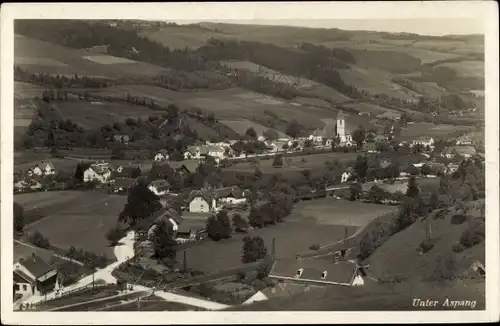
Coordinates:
155 162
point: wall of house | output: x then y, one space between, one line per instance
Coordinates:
232 200
90 174
24 289
358 281
199 205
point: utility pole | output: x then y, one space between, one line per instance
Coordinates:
185 261
273 250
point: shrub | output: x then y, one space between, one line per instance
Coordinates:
314 247
39 240
441 214
458 219
426 245
259 285
457 247
470 238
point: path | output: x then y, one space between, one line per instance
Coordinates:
123 252
54 254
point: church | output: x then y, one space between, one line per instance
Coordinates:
342 131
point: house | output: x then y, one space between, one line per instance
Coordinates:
464 151
185 233
214 151
123 184
161 155
424 141
319 272
346 175
464 140
202 201
100 172
121 138
185 167
229 195
451 168
280 290
169 216
364 114
192 152
159 187
34 276
126 171
42 168
316 137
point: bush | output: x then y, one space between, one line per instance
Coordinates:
259 285
471 238
39 240
458 219
427 245
314 247
458 247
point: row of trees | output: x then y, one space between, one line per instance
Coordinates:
58 81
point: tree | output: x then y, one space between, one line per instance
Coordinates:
163 241
39 240
114 235
270 134
413 190
278 161
141 203
215 230
18 218
355 190
253 249
251 133
240 224
361 167
293 129
265 266
225 224
359 136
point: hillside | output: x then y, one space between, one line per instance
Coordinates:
400 255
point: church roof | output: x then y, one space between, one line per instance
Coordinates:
341 115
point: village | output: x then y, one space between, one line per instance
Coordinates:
195 214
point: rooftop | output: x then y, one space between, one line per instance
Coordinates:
36 265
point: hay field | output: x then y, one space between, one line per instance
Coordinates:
75 218
429 129
180 37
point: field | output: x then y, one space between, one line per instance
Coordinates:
337 212
240 126
39 56
74 218
65 165
23 91
311 162
425 184
310 223
180 37
467 68
429 129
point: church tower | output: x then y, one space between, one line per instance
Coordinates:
340 126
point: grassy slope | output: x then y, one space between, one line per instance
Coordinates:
400 254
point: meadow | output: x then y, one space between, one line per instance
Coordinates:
467 68
39 56
242 125
74 218
297 163
440 131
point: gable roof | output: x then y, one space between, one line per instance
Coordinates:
43 164
423 138
164 152
101 168
193 149
36 265
160 184
20 277
234 191
206 149
206 194
189 165
465 150
337 272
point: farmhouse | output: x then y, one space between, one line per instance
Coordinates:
201 201
42 168
161 155
316 137
100 172
34 276
159 187
192 152
464 151
216 152
319 272
169 216
229 195
464 140
123 184
424 141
